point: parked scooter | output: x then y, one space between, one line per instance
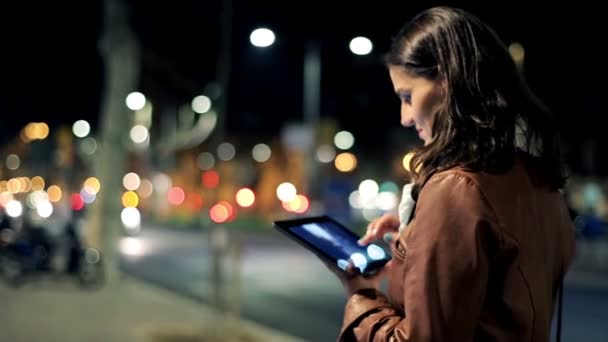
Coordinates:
32 251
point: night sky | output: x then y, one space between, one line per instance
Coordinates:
52 71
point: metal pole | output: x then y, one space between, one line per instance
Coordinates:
312 109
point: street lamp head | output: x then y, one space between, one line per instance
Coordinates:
361 46
262 37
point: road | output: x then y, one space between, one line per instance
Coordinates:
285 287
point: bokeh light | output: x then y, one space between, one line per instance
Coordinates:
135 101
361 46
211 179
286 192
92 184
201 104
345 162
81 128
131 181
245 197
37 183
261 153
344 140
176 195
54 193
262 37
130 199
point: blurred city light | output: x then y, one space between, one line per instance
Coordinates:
5 197
517 52
210 179
135 101
226 151
386 201
88 195
13 162
3 186
25 184
130 199
245 197
299 204
201 104
231 209
176 195
131 181
139 134
261 153
354 199
54 193
345 162
30 131
368 189
44 209
222 212
326 153
14 208
195 201
34 131
406 161
37 183
344 140
130 217
88 145
92 184
286 192
262 37
77 202
81 128
205 160
14 185
43 130
219 213
35 198
389 186
162 182
360 46
145 188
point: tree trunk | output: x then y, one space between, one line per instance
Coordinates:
120 51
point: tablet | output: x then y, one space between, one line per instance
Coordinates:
334 243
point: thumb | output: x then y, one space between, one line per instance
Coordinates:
389 237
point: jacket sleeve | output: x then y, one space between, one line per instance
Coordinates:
442 260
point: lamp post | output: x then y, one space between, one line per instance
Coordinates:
311 91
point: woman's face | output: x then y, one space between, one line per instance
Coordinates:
420 101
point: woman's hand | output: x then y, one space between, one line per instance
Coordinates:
381 228
352 280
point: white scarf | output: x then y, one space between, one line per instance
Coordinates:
406 206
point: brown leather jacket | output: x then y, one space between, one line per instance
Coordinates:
480 261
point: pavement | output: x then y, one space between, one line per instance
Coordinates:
58 310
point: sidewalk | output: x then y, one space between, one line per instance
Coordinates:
589 268
132 311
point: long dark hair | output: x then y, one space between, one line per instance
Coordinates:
487 104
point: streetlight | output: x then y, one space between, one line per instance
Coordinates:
361 46
311 92
262 37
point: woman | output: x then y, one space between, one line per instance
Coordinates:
482 256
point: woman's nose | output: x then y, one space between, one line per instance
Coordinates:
407 120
